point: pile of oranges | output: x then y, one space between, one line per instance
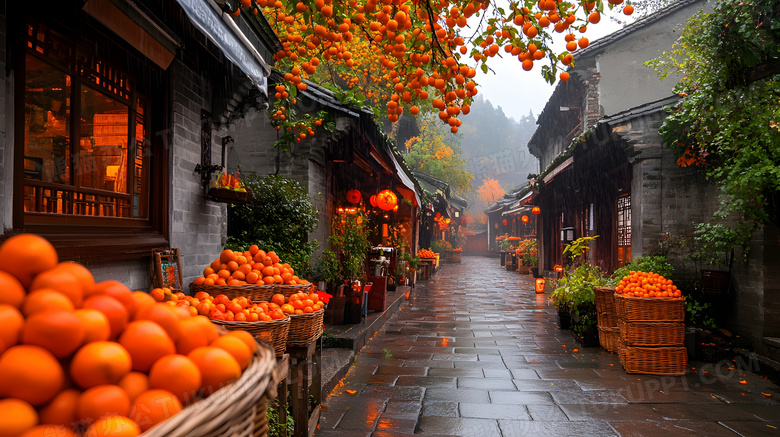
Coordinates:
255 266
426 253
241 309
647 284
96 359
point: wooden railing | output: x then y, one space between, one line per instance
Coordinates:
69 200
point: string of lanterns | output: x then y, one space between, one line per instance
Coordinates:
386 200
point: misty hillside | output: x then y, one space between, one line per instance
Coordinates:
495 145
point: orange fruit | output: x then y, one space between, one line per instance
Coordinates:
146 342
177 374
12 323
62 409
30 373
16 417
96 326
11 290
63 281
44 300
195 334
246 337
118 291
134 383
100 362
164 315
217 367
142 300
278 299
226 256
101 400
116 313
153 406
113 426
26 255
59 332
235 347
80 272
49 431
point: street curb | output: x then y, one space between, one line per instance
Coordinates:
354 338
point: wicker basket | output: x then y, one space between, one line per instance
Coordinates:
231 410
254 292
288 290
605 306
655 360
274 332
608 338
305 328
657 309
652 333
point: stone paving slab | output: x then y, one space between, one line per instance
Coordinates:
475 358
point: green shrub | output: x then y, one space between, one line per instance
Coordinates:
279 218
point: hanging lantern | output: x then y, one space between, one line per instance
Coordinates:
524 219
372 200
504 222
353 196
386 200
536 210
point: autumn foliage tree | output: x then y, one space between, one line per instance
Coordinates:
490 191
427 51
430 153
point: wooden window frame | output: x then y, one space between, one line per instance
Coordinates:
87 238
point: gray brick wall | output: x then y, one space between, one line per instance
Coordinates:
198 227
6 133
668 199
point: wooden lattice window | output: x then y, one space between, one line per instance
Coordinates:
623 229
84 133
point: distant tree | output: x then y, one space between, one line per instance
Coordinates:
437 153
490 191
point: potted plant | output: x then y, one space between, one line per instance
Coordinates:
574 300
350 239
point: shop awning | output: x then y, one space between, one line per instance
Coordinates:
410 193
220 28
559 169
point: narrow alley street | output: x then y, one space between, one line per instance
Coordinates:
477 353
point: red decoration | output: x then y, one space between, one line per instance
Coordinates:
504 222
386 200
353 196
536 210
524 219
438 214
372 199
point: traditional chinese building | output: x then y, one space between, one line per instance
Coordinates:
108 108
606 173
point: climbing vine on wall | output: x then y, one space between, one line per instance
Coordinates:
728 118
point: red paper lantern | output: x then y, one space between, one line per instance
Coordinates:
386 200
353 196
372 200
524 219
536 210
504 222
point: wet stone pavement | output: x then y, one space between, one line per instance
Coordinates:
478 353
